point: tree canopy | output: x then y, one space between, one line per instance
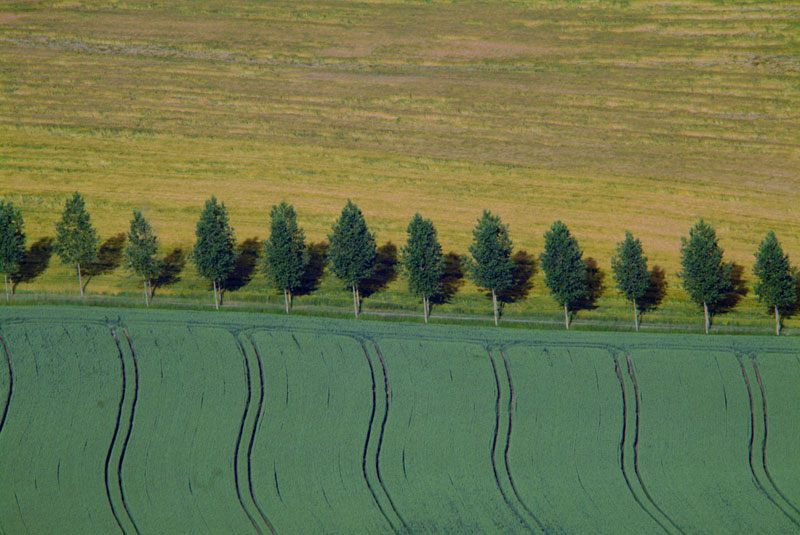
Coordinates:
564 268
630 271
76 239
423 261
12 241
706 277
140 252
214 252
776 284
352 252
491 266
285 255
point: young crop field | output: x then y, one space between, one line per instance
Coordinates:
134 422
609 115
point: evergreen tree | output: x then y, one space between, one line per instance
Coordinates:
630 271
140 252
777 282
423 261
214 253
12 242
564 268
76 240
705 276
491 266
352 253
285 255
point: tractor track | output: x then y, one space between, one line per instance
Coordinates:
632 375
124 449
493 452
10 382
116 432
511 401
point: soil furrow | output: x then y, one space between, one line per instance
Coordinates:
511 400
253 439
366 442
493 452
130 428
116 432
380 440
632 375
246 365
10 383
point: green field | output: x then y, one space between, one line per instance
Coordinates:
116 421
637 115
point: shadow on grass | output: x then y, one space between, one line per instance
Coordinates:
34 261
315 268
452 279
170 273
385 271
247 254
656 291
595 284
109 258
525 267
737 292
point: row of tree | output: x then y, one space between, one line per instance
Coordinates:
352 257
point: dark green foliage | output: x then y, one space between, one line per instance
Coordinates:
564 268
776 282
352 253
140 251
630 271
423 260
214 252
285 255
491 266
76 240
12 241
705 276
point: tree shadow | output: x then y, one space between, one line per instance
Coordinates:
246 259
34 261
525 268
109 258
172 265
655 292
452 279
315 268
384 273
595 284
737 291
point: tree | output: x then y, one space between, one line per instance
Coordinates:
285 254
705 276
630 271
12 242
140 253
76 240
423 261
491 266
564 268
214 253
777 282
352 252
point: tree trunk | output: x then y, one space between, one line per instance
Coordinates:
705 309
5 279
291 299
216 300
494 305
286 299
146 300
566 316
80 280
777 321
150 287
425 308
355 301
635 316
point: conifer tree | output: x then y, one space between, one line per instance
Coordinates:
630 271
705 276
76 239
352 252
140 252
423 261
776 284
12 242
491 266
214 252
285 255
564 268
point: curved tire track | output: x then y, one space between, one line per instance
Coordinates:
259 413
116 432
493 452
10 383
632 375
130 427
511 400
